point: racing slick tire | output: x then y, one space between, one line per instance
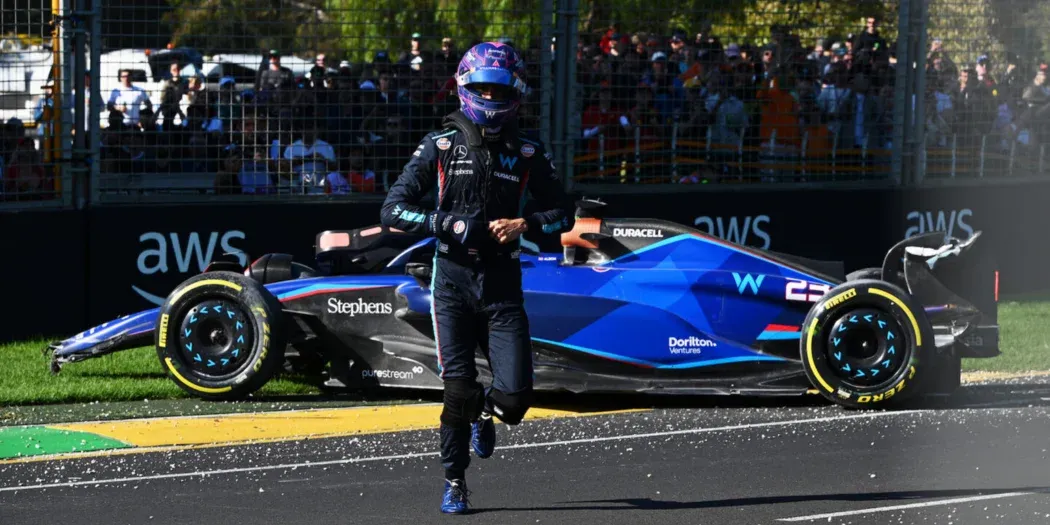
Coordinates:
219 336
865 344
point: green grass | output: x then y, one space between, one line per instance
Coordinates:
130 375
136 375
1024 339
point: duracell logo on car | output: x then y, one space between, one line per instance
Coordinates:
650 233
359 307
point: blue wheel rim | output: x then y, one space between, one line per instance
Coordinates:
216 339
866 347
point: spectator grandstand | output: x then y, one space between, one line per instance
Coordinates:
688 106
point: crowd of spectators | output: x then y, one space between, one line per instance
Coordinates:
968 107
23 174
350 128
337 129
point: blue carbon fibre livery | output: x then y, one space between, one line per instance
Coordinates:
689 288
715 297
685 302
628 305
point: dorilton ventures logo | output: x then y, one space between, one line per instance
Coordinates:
159 250
689 345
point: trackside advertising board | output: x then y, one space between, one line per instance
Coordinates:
65 271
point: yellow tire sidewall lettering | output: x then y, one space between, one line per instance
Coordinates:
840 298
163 331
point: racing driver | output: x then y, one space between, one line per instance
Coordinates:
480 166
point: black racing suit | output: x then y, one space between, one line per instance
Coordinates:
477 298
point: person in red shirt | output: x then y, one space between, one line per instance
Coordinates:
602 119
361 180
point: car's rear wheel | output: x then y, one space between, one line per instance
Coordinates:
864 345
219 336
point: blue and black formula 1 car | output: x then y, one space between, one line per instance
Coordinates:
629 305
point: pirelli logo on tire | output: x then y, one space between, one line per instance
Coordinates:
840 298
163 331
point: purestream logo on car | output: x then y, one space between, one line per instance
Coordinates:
689 345
389 374
359 307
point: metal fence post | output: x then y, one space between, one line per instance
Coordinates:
902 99
79 171
562 54
571 13
94 113
546 84
920 89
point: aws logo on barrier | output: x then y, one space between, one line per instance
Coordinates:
953 222
740 230
187 254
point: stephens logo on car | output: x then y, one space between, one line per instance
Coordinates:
359 307
689 345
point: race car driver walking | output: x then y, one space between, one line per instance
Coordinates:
481 168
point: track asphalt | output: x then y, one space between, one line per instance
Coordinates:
983 459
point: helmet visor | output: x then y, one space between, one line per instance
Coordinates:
504 84
494 92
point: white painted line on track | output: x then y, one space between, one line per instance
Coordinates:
414 455
908 506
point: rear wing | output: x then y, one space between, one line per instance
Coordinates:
957 283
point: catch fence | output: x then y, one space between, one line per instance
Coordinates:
318 99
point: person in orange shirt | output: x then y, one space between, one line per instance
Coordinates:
818 137
779 114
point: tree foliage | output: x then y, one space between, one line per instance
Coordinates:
357 29
1001 29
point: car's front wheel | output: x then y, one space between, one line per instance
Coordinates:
219 336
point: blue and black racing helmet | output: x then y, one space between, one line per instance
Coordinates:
495 69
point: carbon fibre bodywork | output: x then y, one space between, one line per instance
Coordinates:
629 305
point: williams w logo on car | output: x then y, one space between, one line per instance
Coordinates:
748 281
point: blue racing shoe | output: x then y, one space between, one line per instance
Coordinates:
455 500
483 436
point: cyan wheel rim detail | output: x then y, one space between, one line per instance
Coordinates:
215 339
865 348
